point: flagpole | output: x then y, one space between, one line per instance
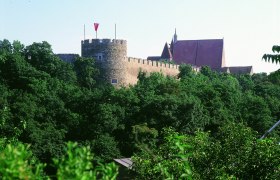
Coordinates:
84 31
115 31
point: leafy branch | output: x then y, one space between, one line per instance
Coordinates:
273 57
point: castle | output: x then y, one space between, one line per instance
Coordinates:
120 70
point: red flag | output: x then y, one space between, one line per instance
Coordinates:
96 26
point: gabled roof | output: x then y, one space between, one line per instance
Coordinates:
236 70
241 69
126 162
199 52
166 53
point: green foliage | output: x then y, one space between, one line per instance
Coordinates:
234 152
77 164
86 71
274 58
274 77
40 56
5 48
105 147
185 70
265 160
46 102
169 161
17 162
246 82
256 113
206 71
144 134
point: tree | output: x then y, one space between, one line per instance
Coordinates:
273 57
17 162
77 164
5 48
168 161
41 56
105 148
185 71
255 112
245 81
206 71
86 71
274 77
234 152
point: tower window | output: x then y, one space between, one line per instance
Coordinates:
99 56
114 81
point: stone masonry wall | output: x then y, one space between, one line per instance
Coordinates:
134 65
110 55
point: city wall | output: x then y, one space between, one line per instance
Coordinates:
134 65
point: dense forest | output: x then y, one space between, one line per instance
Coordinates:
61 120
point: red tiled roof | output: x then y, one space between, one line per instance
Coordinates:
199 52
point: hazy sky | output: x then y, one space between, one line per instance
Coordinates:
249 27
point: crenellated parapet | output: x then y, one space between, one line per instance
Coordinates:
146 62
104 49
97 42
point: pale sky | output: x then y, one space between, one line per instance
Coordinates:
249 27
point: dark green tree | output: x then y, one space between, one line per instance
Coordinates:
168 161
185 70
41 56
235 152
86 72
274 58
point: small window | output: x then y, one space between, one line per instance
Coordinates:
114 81
98 56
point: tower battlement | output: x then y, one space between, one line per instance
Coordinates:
107 49
103 41
147 63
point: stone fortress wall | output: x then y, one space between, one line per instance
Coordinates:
134 65
119 69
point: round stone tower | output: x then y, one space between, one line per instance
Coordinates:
110 55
